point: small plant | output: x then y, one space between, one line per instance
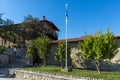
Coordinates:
60 53
2 49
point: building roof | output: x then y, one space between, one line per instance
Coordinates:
70 39
79 39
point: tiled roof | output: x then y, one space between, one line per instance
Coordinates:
70 40
79 39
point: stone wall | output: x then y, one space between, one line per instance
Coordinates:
7 43
79 62
20 52
50 60
77 59
24 75
4 59
29 75
9 56
116 58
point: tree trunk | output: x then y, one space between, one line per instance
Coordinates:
2 42
44 62
8 43
62 64
23 42
97 65
19 39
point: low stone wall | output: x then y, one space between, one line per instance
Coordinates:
29 75
4 59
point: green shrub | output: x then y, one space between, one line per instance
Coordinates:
2 49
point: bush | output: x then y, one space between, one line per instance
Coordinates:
2 49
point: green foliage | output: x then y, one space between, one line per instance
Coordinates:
86 47
39 48
42 44
60 52
32 28
99 47
30 50
2 49
6 31
1 20
110 46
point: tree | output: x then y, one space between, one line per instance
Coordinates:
1 24
8 24
99 47
5 30
32 29
32 53
1 20
41 48
60 53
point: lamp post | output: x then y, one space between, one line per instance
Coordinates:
66 16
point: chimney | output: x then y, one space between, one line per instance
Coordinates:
43 17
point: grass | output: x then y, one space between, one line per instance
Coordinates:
106 75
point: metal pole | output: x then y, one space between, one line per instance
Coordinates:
66 33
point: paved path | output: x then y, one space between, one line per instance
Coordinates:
11 65
3 74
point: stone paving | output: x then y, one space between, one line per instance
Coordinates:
3 74
4 70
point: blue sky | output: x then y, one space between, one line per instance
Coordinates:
84 15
